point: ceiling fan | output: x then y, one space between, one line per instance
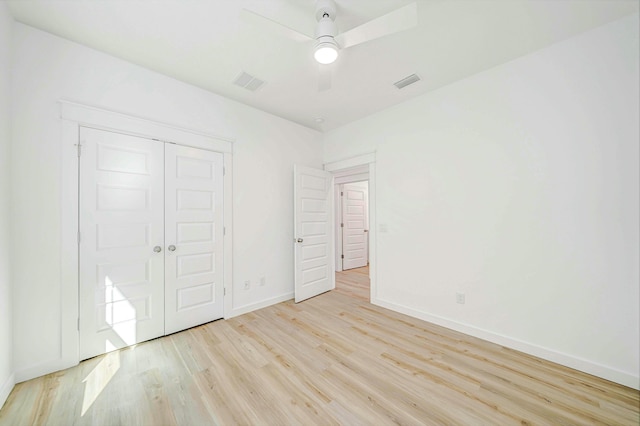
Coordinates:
328 42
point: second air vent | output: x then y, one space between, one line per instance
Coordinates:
407 81
248 81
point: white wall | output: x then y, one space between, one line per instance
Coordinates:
519 187
6 344
47 69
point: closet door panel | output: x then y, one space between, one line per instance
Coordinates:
121 223
193 235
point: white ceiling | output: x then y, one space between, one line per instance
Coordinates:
204 43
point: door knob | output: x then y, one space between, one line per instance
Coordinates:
172 248
300 240
157 249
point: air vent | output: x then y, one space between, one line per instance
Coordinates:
248 81
407 81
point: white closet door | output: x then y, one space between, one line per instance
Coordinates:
194 237
121 223
354 220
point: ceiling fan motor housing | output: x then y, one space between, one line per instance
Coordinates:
326 28
326 50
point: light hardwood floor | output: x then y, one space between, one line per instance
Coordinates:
334 359
354 283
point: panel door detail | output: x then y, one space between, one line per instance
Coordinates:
313 216
193 237
354 230
121 222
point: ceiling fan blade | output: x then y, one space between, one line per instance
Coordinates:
262 22
399 20
324 77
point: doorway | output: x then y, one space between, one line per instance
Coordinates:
360 281
352 239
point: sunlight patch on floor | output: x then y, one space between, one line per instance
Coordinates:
98 379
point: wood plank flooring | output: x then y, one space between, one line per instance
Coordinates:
333 359
354 283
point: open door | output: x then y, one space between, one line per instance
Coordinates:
313 232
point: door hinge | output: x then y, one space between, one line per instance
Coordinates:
79 147
342 225
224 231
78 237
78 324
342 256
341 194
224 171
225 291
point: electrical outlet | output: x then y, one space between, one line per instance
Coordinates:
263 280
247 285
460 298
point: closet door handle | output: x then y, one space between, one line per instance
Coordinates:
172 248
157 249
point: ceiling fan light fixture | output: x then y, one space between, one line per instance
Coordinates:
326 50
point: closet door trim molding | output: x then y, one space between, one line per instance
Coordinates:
73 116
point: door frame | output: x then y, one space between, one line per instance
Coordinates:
73 116
361 161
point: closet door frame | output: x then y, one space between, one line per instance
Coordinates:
74 116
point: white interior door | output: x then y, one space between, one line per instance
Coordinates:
121 241
194 237
354 221
313 218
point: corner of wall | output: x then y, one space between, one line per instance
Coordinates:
245 309
7 376
6 389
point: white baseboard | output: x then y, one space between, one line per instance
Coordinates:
580 364
6 388
244 309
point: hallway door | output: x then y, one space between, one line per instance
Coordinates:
354 225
